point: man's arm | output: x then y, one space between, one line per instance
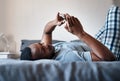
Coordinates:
49 28
98 50
47 33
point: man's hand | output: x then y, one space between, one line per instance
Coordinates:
60 19
73 25
50 26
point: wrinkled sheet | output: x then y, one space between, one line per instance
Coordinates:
50 70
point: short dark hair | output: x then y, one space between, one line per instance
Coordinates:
26 54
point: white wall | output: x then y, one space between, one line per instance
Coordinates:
2 16
25 19
116 2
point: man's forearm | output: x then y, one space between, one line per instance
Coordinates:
47 33
50 26
97 47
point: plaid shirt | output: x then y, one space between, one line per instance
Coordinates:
109 35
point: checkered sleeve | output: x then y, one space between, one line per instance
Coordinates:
109 35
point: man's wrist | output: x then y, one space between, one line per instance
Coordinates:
81 35
48 33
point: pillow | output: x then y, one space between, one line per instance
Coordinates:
26 42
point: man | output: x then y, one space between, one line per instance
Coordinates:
45 50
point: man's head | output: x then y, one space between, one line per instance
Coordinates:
37 51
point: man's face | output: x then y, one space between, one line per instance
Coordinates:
41 51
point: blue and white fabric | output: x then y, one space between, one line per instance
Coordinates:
109 35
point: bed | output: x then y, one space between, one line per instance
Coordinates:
51 70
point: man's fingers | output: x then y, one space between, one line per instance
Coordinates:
68 28
70 20
60 23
